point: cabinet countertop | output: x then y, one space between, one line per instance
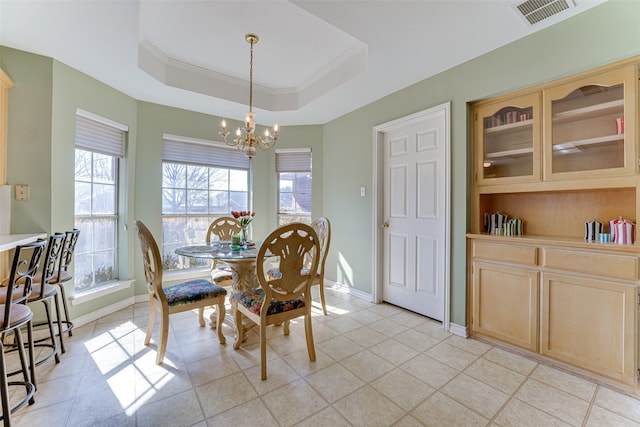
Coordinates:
558 241
10 241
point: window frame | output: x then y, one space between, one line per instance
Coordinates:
192 152
293 161
99 136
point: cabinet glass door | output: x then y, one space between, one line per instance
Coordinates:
587 131
508 136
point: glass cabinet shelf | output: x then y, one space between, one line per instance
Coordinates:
511 127
509 153
591 111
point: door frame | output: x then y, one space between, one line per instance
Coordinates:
378 200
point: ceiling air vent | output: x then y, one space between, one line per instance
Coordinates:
534 11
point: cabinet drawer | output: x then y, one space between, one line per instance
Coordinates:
600 264
515 254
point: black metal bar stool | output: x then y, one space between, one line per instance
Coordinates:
14 315
62 276
44 292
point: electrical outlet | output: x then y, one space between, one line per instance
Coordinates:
22 192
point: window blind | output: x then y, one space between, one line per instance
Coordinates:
93 135
294 160
185 150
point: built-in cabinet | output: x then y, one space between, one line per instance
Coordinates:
5 84
557 156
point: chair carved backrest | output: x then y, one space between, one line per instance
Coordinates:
24 268
68 248
295 244
151 260
223 227
322 227
50 262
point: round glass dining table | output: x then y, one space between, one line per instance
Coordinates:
241 261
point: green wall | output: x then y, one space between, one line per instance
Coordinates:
155 120
46 94
41 143
601 35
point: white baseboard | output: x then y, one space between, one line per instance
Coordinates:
459 330
339 287
141 298
104 311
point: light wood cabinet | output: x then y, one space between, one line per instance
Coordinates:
564 161
590 323
505 304
5 84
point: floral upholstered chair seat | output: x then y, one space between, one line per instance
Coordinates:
252 300
221 276
192 291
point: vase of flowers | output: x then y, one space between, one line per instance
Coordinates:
244 218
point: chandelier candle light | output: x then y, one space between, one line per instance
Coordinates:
248 141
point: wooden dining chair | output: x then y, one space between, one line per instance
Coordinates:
223 228
322 227
198 293
15 314
287 297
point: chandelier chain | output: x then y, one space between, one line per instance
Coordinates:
251 78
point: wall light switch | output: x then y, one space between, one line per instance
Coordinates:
22 192
363 191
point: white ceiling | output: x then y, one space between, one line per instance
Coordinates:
315 61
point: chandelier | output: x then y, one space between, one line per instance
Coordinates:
247 141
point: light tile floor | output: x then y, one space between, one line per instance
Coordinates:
377 365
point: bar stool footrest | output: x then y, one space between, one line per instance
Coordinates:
31 390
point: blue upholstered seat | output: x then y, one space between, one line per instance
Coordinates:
192 291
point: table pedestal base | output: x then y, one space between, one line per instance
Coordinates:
243 273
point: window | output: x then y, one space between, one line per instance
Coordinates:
200 181
99 146
294 185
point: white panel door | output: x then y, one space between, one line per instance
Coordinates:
414 237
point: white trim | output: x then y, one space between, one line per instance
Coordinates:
378 199
293 150
341 287
183 275
458 330
199 141
90 295
104 311
141 298
100 119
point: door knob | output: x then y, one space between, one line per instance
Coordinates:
385 225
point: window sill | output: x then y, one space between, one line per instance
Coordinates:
92 294
182 275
